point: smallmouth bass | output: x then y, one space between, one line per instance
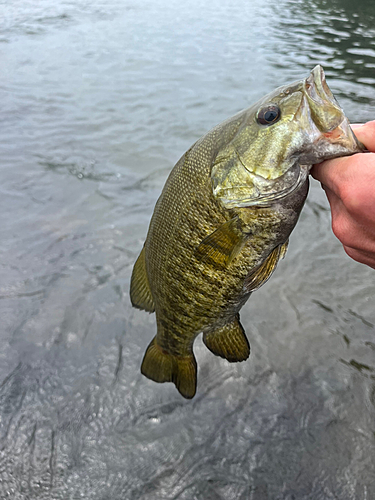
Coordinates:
223 219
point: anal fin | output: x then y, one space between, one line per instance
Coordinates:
140 292
229 341
161 366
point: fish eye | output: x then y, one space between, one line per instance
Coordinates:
268 115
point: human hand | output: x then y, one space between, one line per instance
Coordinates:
349 183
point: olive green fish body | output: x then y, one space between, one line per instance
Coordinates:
223 221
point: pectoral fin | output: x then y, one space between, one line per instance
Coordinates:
263 273
140 291
283 249
223 245
229 341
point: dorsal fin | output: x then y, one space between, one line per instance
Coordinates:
140 291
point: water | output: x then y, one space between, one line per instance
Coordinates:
98 101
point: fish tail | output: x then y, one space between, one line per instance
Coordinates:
161 366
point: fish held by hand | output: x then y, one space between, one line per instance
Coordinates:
223 219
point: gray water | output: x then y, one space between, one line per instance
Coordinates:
98 101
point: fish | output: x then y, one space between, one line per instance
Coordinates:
223 221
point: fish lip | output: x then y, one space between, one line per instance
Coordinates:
315 87
316 78
343 136
324 110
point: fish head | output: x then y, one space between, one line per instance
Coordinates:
279 140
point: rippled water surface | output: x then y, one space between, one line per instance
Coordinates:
98 101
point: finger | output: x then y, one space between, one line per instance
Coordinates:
330 173
366 134
352 235
347 176
350 231
335 202
360 256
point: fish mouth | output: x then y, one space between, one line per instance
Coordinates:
327 122
325 111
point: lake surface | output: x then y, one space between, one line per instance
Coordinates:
98 101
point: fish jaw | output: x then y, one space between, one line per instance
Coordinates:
325 111
329 128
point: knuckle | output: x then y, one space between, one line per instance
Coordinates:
354 197
340 228
355 187
353 254
346 187
361 257
354 202
371 128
